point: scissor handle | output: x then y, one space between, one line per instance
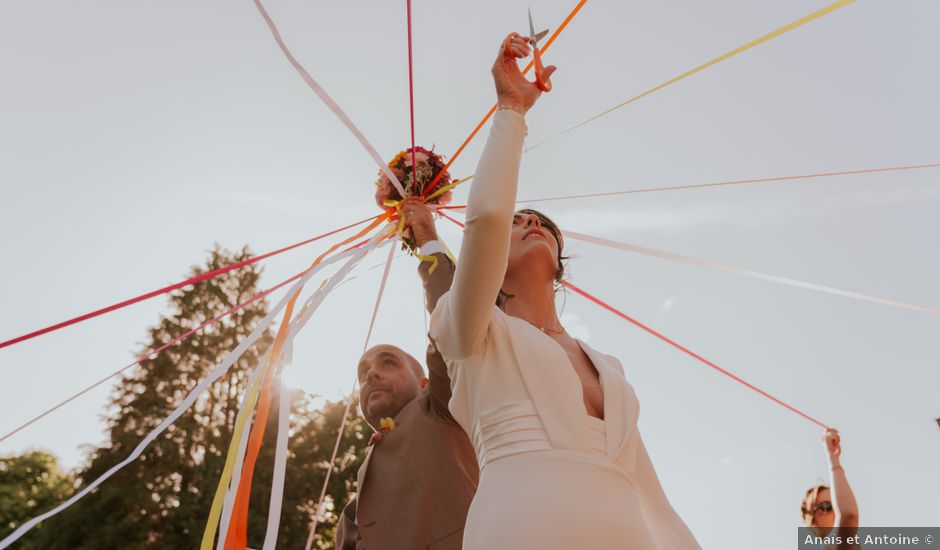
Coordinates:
506 49
544 85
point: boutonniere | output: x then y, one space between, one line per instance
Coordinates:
386 425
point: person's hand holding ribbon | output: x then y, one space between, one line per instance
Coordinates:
419 221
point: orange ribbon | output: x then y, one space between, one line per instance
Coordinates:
237 538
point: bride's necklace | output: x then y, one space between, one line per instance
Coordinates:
552 330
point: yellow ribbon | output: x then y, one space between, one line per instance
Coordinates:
447 188
756 42
241 420
449 253
426 258
389 203
274 357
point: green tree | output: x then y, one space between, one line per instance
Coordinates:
162 500
29 484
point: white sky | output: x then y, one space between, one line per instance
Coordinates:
134 135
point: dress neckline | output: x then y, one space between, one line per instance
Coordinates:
600 374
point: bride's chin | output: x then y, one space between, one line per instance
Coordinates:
533 258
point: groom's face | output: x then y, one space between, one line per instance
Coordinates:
389 379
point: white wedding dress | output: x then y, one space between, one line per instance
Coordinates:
551 476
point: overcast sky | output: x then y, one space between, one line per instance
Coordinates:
134 135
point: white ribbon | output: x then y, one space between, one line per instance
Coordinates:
342 426
746 272
280 456
217 372
239 460
306 311
280 469
325 97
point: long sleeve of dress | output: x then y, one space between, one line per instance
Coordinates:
670 531
484 251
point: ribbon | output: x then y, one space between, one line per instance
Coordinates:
235 457
306 311
238 535
396 204
492 110
339 434
175 286
746 272
715 184
214 375
411 102
769 36
681 348
430 259
156 351
209 533
328 101
151 354
448 187
280 469
239 457
687 351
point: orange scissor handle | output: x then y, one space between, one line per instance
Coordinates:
544 85
506 49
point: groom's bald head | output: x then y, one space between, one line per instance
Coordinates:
389 379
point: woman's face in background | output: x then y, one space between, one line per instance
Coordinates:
533 246
823 519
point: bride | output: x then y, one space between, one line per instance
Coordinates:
553 421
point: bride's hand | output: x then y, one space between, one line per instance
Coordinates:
512 88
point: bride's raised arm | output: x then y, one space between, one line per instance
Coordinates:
484 250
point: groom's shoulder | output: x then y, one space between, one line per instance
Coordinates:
425 426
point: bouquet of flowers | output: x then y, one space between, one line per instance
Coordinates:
415 179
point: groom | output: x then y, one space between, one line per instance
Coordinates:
416 484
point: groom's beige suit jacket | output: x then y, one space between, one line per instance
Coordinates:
416 484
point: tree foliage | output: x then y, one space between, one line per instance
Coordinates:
29 484
162 500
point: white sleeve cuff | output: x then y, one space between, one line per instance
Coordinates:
432 247
515 117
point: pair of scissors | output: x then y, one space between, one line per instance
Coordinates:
544 85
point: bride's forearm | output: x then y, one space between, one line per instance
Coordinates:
484 250
493 193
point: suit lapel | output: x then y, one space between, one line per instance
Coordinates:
361 476
403 420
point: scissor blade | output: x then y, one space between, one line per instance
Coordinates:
531 27
540 35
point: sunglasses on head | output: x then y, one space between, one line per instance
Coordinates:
825 506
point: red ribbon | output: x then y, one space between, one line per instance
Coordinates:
672 343
686 350
170 288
